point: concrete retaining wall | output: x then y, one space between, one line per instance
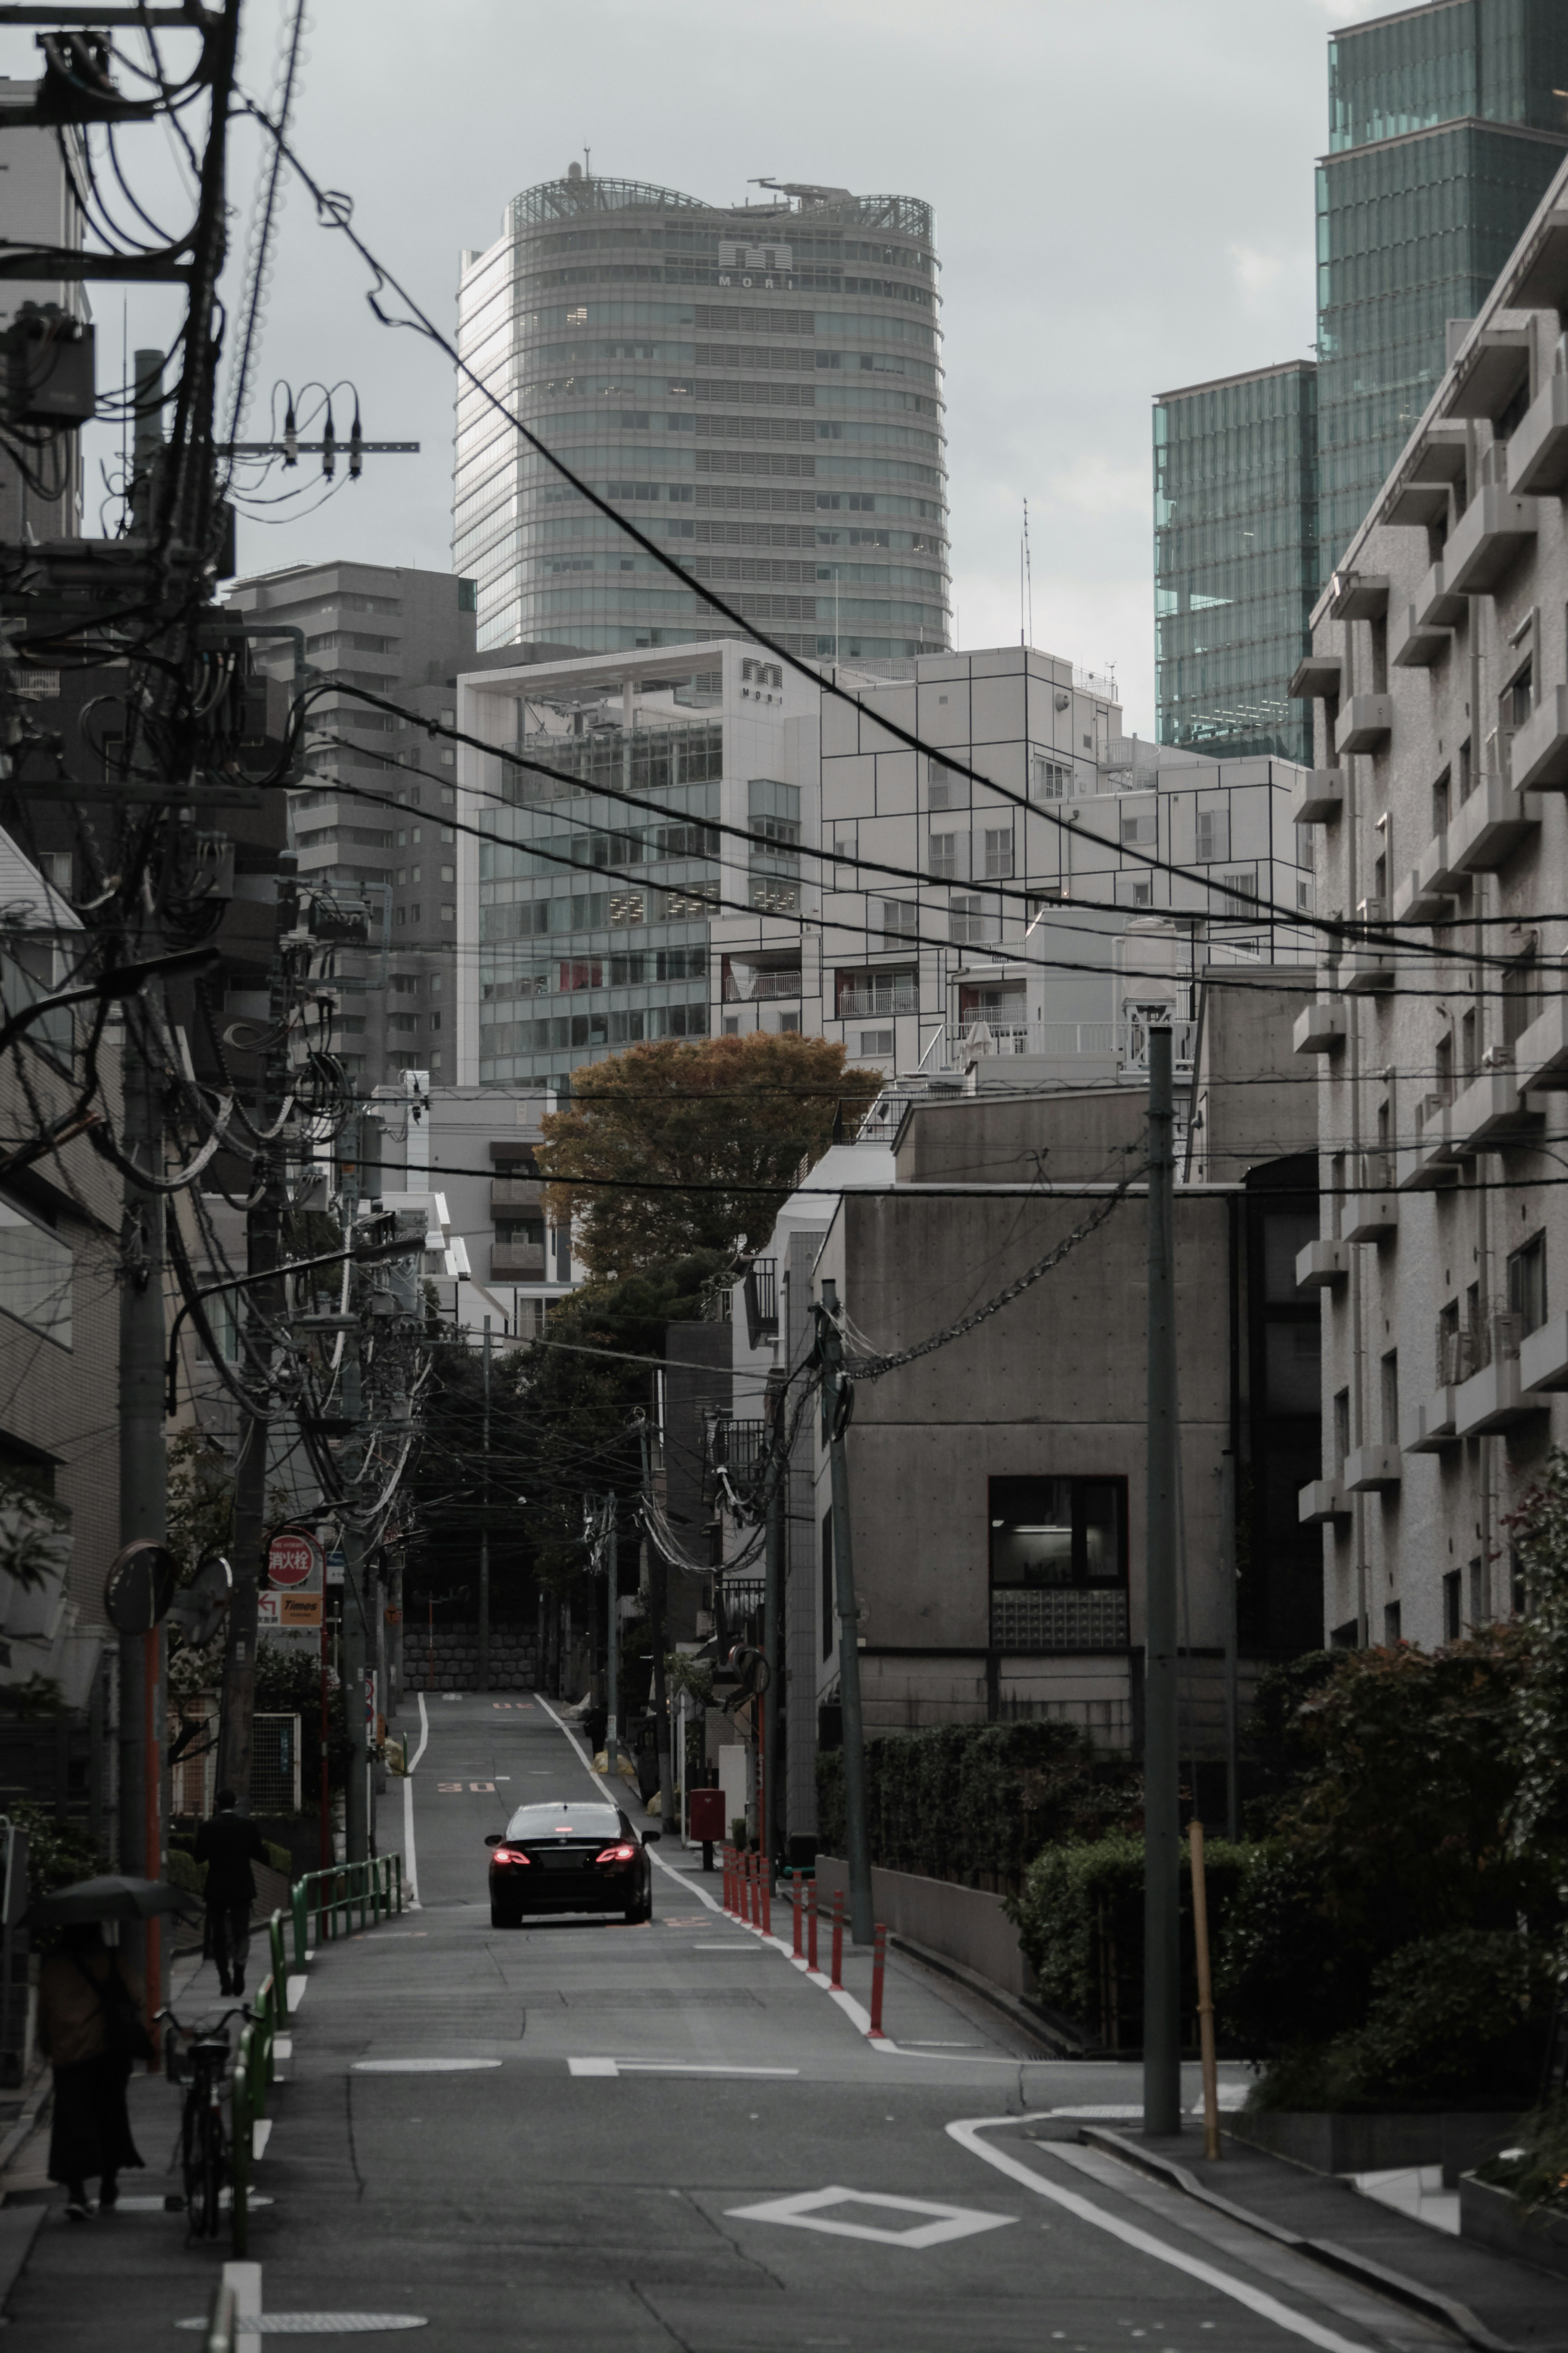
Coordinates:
456 1656
963 1924
1490 2217
1457 2139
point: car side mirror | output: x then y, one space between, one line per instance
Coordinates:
494 1838
650 1838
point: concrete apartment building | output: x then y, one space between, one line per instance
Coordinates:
1440 692
404 633
759 385
997 1484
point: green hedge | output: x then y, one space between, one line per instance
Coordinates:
1080 1924
973 1802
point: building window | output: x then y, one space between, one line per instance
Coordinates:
887 991
1141 832
1518 698
1481 1600
900 920
1391 1634
1059 1564
1212 835
941 787
1341 1427
1051 779
968 922
449 874
36 1270
1527 1284
1452 1606
943 862
875 1041
1134 891
789 1024
998 853
448 915
1389 1390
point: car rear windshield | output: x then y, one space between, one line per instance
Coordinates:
541 1822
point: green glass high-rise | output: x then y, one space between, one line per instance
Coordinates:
1235 561
1445 125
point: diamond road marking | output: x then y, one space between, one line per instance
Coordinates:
807 2212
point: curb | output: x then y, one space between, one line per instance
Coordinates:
1430 2302
1011 2006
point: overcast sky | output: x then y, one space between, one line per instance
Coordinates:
1124 194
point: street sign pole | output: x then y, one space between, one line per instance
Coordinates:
1162 1802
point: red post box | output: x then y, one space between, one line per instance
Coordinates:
707 1824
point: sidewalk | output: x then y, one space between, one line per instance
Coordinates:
1503 2304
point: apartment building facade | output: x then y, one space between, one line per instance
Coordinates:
1439 682
759 388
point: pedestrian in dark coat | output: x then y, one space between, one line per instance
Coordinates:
82 1986
228 1844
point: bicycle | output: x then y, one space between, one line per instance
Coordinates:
207 2160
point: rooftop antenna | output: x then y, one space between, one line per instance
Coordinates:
587 163
1028 574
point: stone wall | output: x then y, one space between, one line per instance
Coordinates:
513 1662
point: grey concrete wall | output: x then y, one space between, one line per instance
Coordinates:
999 1140
1255 1099
963 1924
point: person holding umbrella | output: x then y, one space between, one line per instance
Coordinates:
89 2023
228 1844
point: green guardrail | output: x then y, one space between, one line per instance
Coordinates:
330 1900
255 2068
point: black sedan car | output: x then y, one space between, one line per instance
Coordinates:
579 1855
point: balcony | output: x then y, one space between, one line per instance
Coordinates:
1543 1355
509 1194
1437 607
1322 1029
1373 1469
1415 645
1486 830
1317 796
1437 876
1322 1264
1538 448
1316 675
985 1036
1428 1161
1539 754
517 1262
1367 964
1488 540
1416 901
1493 369
1541 1052
1421 495
1365 723
1492 1112
1322 1499
1370 1216
1495 1397
860 1004
762 987
1430 1427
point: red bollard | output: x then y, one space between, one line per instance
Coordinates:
811 1926
725 1873
839 1941
751 1887
878 1963
797 1891
766 1877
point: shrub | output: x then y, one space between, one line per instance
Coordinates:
1536 2168
968 1801
1080 1925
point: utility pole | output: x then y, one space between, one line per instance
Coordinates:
610 1540
484 1630
1162 1801
143 1489
658 1600
356 1645
838 1404
773 1498
264 1237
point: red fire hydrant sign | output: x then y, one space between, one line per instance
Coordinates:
294 1577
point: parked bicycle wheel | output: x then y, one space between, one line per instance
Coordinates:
214 2157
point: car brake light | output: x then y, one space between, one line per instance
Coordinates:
617 1854
509 1854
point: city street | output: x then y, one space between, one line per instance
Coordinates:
597 2135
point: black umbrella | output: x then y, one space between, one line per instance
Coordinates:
109 1898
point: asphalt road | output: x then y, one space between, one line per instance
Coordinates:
591 2136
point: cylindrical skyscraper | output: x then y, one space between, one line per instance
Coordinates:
760 387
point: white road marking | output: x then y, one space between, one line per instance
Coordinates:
424 1736
321 2324
294 1993
730 1945
664 2067
283 2046
807 2212
410 1854
966 2131
421 2066
260 2133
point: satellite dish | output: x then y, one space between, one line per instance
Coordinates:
139 1587
198 1610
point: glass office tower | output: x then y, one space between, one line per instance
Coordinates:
758 387
1235 561
1445 125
